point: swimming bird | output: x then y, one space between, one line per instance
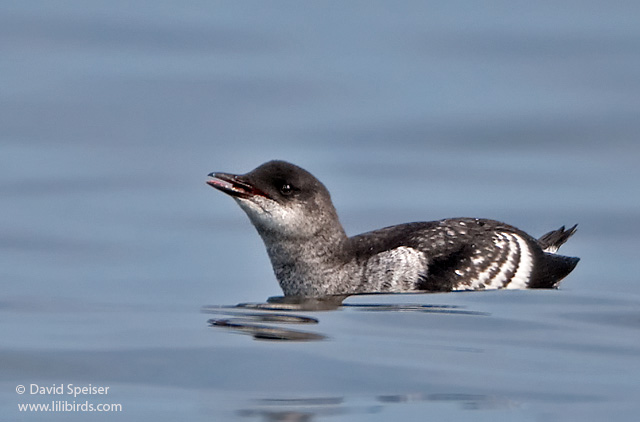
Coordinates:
312 256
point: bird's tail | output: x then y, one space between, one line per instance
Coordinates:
551 242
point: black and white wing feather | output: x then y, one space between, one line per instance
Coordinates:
461 254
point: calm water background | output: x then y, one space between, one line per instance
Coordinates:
113 112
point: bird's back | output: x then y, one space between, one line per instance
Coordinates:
458 254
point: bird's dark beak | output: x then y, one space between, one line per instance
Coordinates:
234 185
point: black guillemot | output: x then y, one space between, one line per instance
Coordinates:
312 256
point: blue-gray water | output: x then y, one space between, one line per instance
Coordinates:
113 112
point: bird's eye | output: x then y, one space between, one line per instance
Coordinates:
286 189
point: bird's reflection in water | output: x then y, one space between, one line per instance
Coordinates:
308 409
295 410
259 319
263 320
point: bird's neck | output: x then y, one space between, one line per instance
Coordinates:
306 266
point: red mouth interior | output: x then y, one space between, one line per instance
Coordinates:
233 187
